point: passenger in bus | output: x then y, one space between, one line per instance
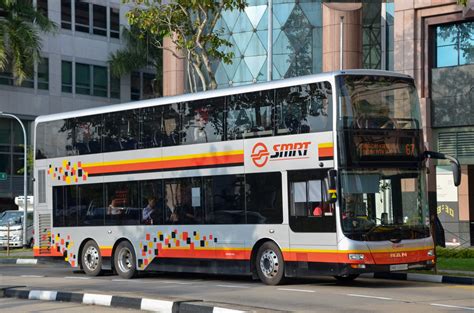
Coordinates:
355 213
150 212
114 208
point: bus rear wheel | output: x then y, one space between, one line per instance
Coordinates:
346 278
91 259
269 264
124 260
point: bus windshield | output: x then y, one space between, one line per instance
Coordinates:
383 204
378 102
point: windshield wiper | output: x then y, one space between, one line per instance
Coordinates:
373 229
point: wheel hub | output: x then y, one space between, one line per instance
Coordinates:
91 258
269 263
124 260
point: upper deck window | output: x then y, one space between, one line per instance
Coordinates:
378 102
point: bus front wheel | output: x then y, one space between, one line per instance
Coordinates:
269 263
124 260
91 259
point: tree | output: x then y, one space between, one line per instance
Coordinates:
138 54
191 27
20 42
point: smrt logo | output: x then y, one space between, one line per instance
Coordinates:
260 154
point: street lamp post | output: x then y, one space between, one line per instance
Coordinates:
25 172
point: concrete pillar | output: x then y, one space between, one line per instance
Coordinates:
173 70
352 48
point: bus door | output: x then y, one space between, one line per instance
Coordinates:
312 218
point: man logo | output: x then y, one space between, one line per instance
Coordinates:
260 154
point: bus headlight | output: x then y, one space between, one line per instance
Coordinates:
356 256
430 252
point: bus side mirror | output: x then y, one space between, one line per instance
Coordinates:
332 186
455 166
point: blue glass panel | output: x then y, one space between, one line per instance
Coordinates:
255 14
262 75
230 17
221 75
242 75
255 47
466 53
282 63
230 69
282 45
446 35
255 64
243 24
312 10
276 74
242 40
283 11
447 56
221 26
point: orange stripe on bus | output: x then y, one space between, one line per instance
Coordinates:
194 162
325 152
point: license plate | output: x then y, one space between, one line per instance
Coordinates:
399 267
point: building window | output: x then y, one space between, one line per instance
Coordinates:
66 20
143 86
99 14
114 23
114 87
29 82
82 16
43 74
455 44
100 81
66 76
83 79
42 7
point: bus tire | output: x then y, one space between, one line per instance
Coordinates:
346 278
124 260
91 260
269 264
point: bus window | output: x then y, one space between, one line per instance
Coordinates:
171 125
263 198
151 120
54 139
250 115
309 209
183 201
122 204
87 134
224 199
65 206
151 198
203 121
91 205
304 108
120 131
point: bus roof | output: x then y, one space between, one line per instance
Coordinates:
214 93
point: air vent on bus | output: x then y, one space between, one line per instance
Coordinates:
458 144
41 186
44 233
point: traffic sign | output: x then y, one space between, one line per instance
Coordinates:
3 176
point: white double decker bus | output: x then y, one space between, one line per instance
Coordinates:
316 175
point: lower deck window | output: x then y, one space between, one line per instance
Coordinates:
225 199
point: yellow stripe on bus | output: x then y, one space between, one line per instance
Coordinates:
325 145
169 158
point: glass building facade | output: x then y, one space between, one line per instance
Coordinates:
297 41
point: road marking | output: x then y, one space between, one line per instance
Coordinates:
366 296
126 280
73 277
32 276
232 286
297 290
452 306
217 309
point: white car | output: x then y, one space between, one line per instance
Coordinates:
14 221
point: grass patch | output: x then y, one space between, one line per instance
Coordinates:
455 264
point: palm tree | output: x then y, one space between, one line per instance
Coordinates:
137 54
20 42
